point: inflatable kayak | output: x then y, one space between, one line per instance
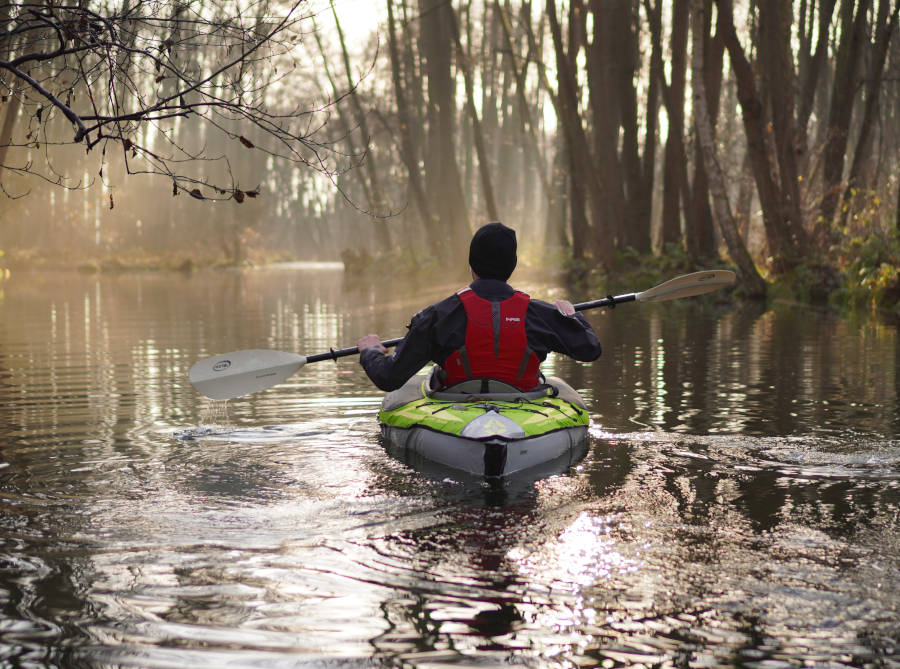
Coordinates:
486 427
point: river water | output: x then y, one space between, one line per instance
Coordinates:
738 504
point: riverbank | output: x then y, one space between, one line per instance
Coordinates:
863 273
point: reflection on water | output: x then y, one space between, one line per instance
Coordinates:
738 504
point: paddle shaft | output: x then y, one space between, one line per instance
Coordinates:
240 373
332 354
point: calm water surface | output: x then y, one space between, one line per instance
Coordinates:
738 505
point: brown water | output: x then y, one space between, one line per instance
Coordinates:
738 505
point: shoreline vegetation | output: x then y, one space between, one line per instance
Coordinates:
863 273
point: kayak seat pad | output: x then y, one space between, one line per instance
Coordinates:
417 387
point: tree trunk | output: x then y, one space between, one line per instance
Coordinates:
443 185
843 97
701 238
583 175
378 204
784 234
11 109
777 65
885 26
810 70
555 237
528 126
603 59
675 159
483 165
643 199
746 269
407 145
897 220
636 225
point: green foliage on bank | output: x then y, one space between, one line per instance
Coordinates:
870 271
862 272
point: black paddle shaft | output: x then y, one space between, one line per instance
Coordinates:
332 354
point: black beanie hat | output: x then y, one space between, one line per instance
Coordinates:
492 253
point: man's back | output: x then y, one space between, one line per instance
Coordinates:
439 331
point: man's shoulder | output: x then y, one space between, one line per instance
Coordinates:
438 309
541 306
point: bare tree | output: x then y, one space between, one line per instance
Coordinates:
886 23
843 96
703 119
769 126
443 182
124 75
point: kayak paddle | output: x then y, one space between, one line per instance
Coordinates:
230 375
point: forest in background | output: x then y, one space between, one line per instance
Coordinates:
613 135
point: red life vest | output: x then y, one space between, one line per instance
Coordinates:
496 346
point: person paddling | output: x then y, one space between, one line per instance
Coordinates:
487 330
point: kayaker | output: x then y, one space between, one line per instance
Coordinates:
486 330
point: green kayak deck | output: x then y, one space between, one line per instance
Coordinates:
493 433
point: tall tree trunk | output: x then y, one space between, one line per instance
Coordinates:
443 184
749 276
643 198
484 170
345 125
809 74
378 204
10 116
675 158
886 23
636 225
784 233
583 175
603 58
555 237
700 233
897 220
407 145
777 66
843 97
528 126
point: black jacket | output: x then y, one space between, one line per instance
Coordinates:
439 330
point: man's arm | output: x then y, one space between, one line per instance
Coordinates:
390 371
559 328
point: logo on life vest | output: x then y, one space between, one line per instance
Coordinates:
222 365
513 319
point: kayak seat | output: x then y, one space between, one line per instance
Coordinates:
418 387
492 389
489 389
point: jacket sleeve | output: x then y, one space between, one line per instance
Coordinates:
570 335
392 370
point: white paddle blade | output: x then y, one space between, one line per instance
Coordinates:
229 375
688 285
